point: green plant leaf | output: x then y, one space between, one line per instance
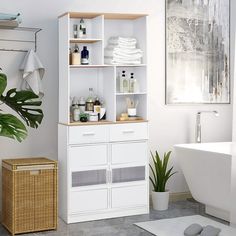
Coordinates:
24 103
160 173
12 127
3 83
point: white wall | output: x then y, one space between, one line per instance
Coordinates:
169 125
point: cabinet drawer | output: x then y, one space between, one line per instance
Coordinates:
88 134
87 156
129 153
91 200
129 196
124 132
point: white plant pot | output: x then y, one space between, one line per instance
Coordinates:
160 200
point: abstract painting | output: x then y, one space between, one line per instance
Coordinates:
197 51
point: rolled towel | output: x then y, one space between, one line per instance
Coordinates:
193 230
210 231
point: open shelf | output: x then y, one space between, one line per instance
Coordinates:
97 75
126 94
85 40
118 16
89 66
125 65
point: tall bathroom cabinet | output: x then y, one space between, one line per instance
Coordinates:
103 166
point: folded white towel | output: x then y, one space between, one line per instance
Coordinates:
116 40
122 46
33 72
109 60
135 53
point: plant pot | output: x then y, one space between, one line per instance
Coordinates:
160 200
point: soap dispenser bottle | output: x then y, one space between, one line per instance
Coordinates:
125 82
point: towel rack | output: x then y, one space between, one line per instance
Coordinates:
34 30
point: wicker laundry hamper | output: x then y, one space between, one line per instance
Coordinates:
29 195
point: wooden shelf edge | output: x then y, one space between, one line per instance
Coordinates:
105 65
85 40
101 122
109 16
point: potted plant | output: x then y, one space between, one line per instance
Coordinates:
25 104
161 174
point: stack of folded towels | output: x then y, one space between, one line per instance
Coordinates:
122 50
10 20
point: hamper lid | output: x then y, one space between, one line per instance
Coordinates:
29 161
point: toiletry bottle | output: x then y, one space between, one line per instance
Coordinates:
131 83
103 107
97 107
90 101
118 82
70 57
122 82
83 27
82 104
125 83
85 56
75 31
136 86
76 113
76 56
73 104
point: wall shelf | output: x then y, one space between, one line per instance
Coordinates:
35 31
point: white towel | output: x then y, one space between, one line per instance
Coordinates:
117 40
33 72
117 61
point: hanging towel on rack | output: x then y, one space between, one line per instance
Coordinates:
33 72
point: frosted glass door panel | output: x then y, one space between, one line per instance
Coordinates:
128 174
88 177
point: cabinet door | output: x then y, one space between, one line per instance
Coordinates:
89 177
128 174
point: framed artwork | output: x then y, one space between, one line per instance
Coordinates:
197 51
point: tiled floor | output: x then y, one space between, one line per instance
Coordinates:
121 226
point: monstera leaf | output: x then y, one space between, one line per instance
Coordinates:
24 103
12 127
3 83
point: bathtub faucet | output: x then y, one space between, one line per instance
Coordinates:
198 137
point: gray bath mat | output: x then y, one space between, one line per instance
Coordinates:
176 226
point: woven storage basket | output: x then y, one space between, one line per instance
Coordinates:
29 195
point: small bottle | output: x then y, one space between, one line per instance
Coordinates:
76 113
131 83
82 104
97 107
122 78
74 103
83 28
76 60
125 82
85 56
90 101
70 57
75 31
118 83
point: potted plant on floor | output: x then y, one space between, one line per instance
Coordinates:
161 174
25 104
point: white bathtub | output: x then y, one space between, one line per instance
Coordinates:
207 170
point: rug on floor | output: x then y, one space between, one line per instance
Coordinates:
176 226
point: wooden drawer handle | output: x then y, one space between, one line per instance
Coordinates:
89 134
128 131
